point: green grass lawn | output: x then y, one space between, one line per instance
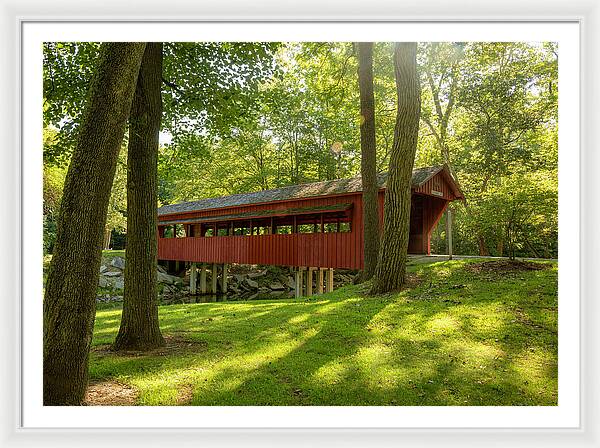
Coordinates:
455 338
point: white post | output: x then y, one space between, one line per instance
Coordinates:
203 278
320 281
193 279
224 279
309 282
298 278
213 282
329 287
449 231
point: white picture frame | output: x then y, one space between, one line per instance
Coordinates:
14 273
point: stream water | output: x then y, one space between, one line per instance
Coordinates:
208 298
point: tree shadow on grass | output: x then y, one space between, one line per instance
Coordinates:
240 340
284 376
463 347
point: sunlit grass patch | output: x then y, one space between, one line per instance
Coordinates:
455 338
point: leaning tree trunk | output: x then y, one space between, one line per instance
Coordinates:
368 161
70 297
391 266
139 328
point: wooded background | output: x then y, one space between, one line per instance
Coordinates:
253 116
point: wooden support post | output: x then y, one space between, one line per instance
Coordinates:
298 278
193 272
177 267
224 270
203 278
320 276
449 231
329 287
213 280
309 282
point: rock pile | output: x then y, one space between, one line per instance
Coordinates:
244 282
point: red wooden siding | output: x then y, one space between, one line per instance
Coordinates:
298 249
437 186
328 250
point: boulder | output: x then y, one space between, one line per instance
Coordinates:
251 283
112 274
108 298
283 279
118 262
257 274
291 283
276 286
103 282
103 268
161 269
178 281
119 284
263 290
168 279
239 278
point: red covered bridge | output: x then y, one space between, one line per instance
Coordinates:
316 225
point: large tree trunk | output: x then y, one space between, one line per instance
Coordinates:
391 266
139 328
368 161
70 297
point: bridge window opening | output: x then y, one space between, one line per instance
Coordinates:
280 225
308 223
330 227
284 230
262 230
168 232
179 231
345 227
241 228
306 228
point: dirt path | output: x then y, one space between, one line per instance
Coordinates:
110 393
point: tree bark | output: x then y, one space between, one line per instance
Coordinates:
107 237
70 296
368 161
139 328
391 267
